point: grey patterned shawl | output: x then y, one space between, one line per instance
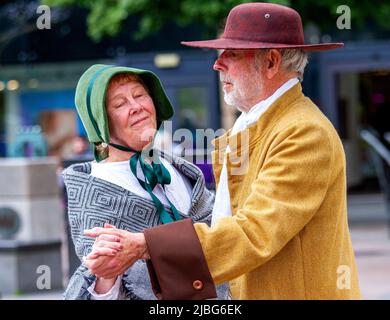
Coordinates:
93 201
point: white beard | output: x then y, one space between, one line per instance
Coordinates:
245 89
231 99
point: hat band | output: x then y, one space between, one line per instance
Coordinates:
89 93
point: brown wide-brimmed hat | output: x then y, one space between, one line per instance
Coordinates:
262 26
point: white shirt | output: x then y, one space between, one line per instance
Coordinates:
222 206
178 191
119 173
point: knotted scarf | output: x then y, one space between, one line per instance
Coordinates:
154 174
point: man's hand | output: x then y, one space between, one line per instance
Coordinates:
129 247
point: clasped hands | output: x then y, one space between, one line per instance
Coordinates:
114 251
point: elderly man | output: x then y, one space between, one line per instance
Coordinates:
280 228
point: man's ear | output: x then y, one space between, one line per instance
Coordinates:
273 60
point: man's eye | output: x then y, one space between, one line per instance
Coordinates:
139 95
234 54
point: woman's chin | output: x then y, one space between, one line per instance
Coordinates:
139 143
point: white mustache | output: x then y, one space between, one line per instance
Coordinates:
224 78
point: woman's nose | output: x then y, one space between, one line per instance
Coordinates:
135 107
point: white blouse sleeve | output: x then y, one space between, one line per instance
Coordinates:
112 294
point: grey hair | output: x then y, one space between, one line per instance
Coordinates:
101 149
293 60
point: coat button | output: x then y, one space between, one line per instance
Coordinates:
197 284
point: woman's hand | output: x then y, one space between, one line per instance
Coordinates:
111 264
105 245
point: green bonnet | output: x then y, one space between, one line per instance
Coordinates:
91 92
90 103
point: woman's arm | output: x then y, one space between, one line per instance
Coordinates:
104 285
106 289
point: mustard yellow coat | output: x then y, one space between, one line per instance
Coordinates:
288 237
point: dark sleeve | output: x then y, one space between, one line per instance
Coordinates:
178 268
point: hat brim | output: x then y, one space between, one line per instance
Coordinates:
224 43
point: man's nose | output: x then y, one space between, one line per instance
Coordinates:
219 65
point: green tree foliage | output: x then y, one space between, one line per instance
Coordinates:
106 17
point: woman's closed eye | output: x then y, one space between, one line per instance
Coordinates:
139 95
119 103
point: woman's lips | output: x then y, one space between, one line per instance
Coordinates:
138 121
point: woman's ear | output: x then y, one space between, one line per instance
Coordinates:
273 60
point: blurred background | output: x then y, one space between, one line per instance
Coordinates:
45 46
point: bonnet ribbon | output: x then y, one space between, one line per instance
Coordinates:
154 173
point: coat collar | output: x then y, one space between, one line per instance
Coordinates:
256 132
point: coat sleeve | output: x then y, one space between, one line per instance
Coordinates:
194 282
286 193
172 274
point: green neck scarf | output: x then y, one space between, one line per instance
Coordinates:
154 174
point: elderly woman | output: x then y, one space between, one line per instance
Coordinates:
121 109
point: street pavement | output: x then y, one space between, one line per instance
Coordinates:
370 235
372 251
